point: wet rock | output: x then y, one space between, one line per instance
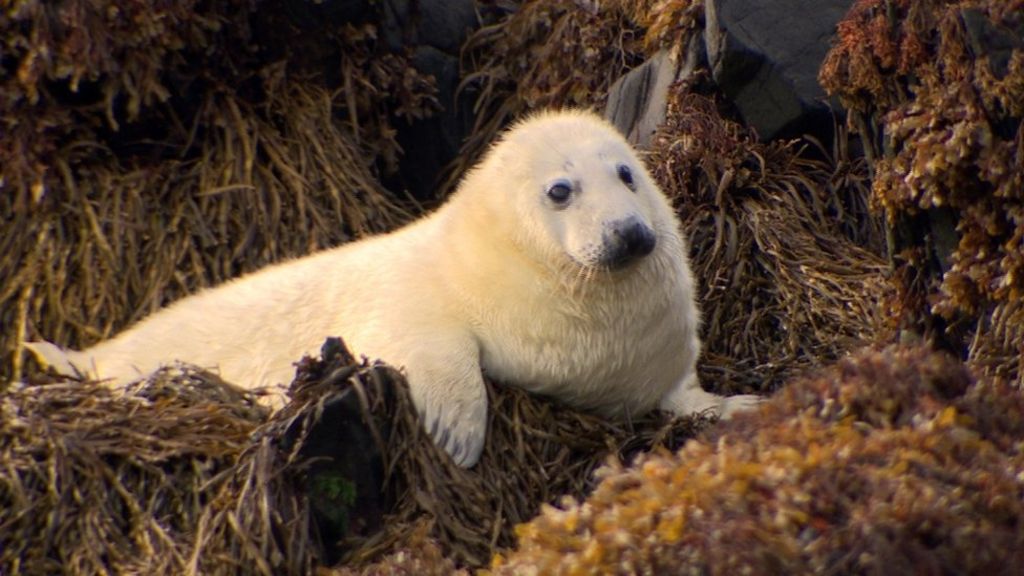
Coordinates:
396 27
442 24
311 16
445 24
343 467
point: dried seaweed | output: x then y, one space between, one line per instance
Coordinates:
536 452
204 486
93 480
778 245
890 462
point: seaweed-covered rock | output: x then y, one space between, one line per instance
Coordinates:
638 101
888 462
150 149
430 33
935 90
431 144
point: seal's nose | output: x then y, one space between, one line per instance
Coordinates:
627 240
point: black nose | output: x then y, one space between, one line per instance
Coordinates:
627 240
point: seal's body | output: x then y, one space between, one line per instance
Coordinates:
557 266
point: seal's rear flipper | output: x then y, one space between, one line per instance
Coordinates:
57 359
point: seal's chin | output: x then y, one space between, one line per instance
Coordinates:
618 262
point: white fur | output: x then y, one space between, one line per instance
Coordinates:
498 278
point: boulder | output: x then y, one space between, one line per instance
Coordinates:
765 56
997 42
445 24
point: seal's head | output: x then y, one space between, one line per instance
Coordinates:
582 189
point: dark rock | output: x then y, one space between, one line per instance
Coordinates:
997 42
765 56
944 237
396 27
638 100
312 15
444 24
432 33
430 144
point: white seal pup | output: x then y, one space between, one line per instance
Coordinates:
558 266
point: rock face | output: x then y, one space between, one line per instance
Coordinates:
996 42
765 56
429 144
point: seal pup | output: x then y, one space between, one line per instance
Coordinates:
557 266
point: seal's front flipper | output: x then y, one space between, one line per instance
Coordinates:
57 359
688 397
458 424
739 403
449 393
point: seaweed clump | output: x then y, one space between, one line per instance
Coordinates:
887 462
936 91
93 481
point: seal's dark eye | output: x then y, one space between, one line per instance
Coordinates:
626 175
560 191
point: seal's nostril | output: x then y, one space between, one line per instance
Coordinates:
639 239
628 240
